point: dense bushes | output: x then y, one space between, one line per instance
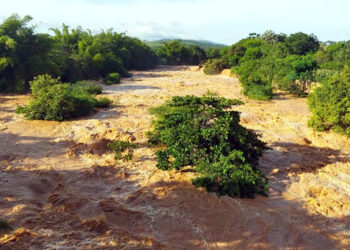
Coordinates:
93 56
71 54
301 44
91 87
330 104
275 61
175 53
258 92
215 66
23 54
212 53
255 71
204 133
123 150
334 57
103 102
88 56
54 100
296 74
323 75
112 78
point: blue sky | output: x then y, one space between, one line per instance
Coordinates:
223 21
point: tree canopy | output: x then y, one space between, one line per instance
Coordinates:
72 54
176 53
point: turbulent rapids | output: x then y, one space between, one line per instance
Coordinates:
61 188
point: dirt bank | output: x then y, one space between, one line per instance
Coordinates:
60 187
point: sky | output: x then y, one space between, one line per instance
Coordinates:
222 21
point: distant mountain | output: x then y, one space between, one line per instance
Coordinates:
200 43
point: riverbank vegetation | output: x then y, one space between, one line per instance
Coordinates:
294 63
71 54
53 100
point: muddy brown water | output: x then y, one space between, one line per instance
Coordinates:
60 187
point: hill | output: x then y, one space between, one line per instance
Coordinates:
201 43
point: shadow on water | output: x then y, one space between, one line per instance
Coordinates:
109 201
80 207
101 201
286 158
296 158
19 147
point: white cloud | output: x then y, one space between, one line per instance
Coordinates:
221 20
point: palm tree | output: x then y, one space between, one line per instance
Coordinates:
270 37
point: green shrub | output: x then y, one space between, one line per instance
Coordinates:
103 102
174 52
20 109
231 175
24 54
335 56
215 66
254 82
84 103
43 81
203 132
295 74
91 87
112 78
212 53
275 60
260 92
123 150
301 43
330 104
52 103
323 75
53 100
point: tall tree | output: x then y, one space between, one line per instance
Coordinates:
23 54
301 43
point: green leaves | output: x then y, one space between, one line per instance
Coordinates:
301 43
264 64
54 100
176 53
215 66
232 175
23 54
5 62
91 87
330 104
274 60
72 54
204 132
123 150
112 78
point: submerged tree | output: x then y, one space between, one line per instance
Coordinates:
203 132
